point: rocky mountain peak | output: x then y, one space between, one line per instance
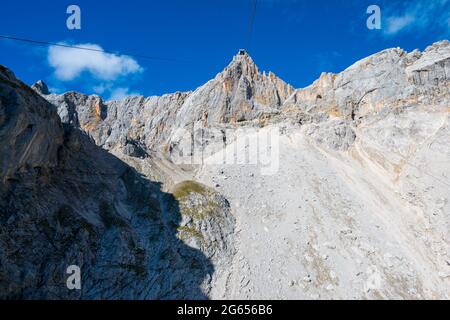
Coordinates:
444 44
40 87
238 94
242 64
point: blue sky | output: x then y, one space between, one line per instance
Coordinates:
295 39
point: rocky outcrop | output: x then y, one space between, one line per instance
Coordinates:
31 131
384 81
40 87
65 201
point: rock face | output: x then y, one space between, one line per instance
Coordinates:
238 94
355 206
65 201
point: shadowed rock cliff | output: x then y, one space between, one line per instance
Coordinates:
66 201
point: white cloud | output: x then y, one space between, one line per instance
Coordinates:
396 24
113 92
418 16
70 63
120 93
101 88
56 90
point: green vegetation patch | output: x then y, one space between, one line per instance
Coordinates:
185 232
183 189
195 200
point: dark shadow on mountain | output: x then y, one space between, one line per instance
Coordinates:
92 210
177 269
